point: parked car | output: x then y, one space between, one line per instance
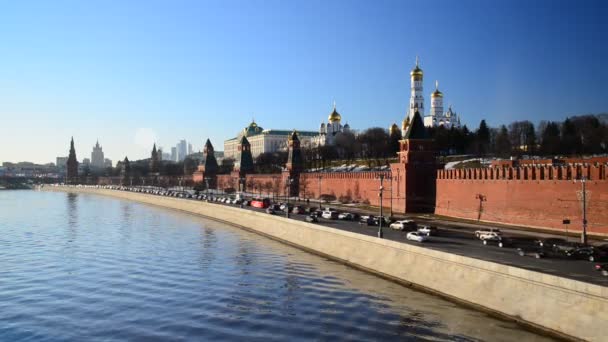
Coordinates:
416 236
311 218
427 230
298 209
346 216
403 225
330 214
367 220
603 268
479 232
590 253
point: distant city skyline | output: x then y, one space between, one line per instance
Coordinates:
137 73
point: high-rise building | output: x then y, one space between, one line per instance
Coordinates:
86 161
189 149
174 154
107 163
97 157
182 150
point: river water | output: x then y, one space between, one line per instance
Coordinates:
77 267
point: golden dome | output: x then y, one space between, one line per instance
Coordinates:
393 129
437 93
405 123
416 71
334 116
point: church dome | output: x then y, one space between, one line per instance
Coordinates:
334 116
437 93
416 71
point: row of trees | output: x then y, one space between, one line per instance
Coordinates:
579 135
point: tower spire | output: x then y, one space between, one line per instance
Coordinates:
417 60
436 85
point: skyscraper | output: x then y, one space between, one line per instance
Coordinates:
189 149
182 150
174 154
97 157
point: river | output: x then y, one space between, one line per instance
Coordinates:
77 267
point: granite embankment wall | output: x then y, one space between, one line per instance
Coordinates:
556 304
532 196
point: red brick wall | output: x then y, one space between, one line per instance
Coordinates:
527 196
359 186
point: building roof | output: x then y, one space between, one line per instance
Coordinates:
416 129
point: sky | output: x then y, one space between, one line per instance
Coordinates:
131 73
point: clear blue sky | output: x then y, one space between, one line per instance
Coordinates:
127 72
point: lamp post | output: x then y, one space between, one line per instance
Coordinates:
584 199
380 235
320 178
391 194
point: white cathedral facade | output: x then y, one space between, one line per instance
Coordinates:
328 131
436 117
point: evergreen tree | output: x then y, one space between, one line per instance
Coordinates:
503 144
482 137
550 140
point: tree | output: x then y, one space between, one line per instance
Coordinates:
189 166
482 137
346 145
393 143
503 144
374 143
571 143
550 139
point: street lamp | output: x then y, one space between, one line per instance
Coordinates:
380 235
207 187
583 197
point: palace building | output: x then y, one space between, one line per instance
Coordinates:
264 140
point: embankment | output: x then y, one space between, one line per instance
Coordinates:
561 306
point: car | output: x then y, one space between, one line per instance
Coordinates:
497 240
311 218
590 253
346 216
385 221
534 252
603 268
403 225
490 236
298 209
285 205
428 230
479 232
416 236
329 214
367 219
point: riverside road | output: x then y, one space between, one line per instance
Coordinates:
462 241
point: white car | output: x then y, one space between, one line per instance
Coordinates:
427 230
491 236
415 236
346 216
329 214
480 232
403 225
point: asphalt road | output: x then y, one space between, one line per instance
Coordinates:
462 241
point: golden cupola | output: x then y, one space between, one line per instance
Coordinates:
334 116
437 93
416 71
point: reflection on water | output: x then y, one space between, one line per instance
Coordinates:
122 270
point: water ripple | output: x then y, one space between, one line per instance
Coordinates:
82 267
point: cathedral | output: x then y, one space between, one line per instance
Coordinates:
436 117
329 130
